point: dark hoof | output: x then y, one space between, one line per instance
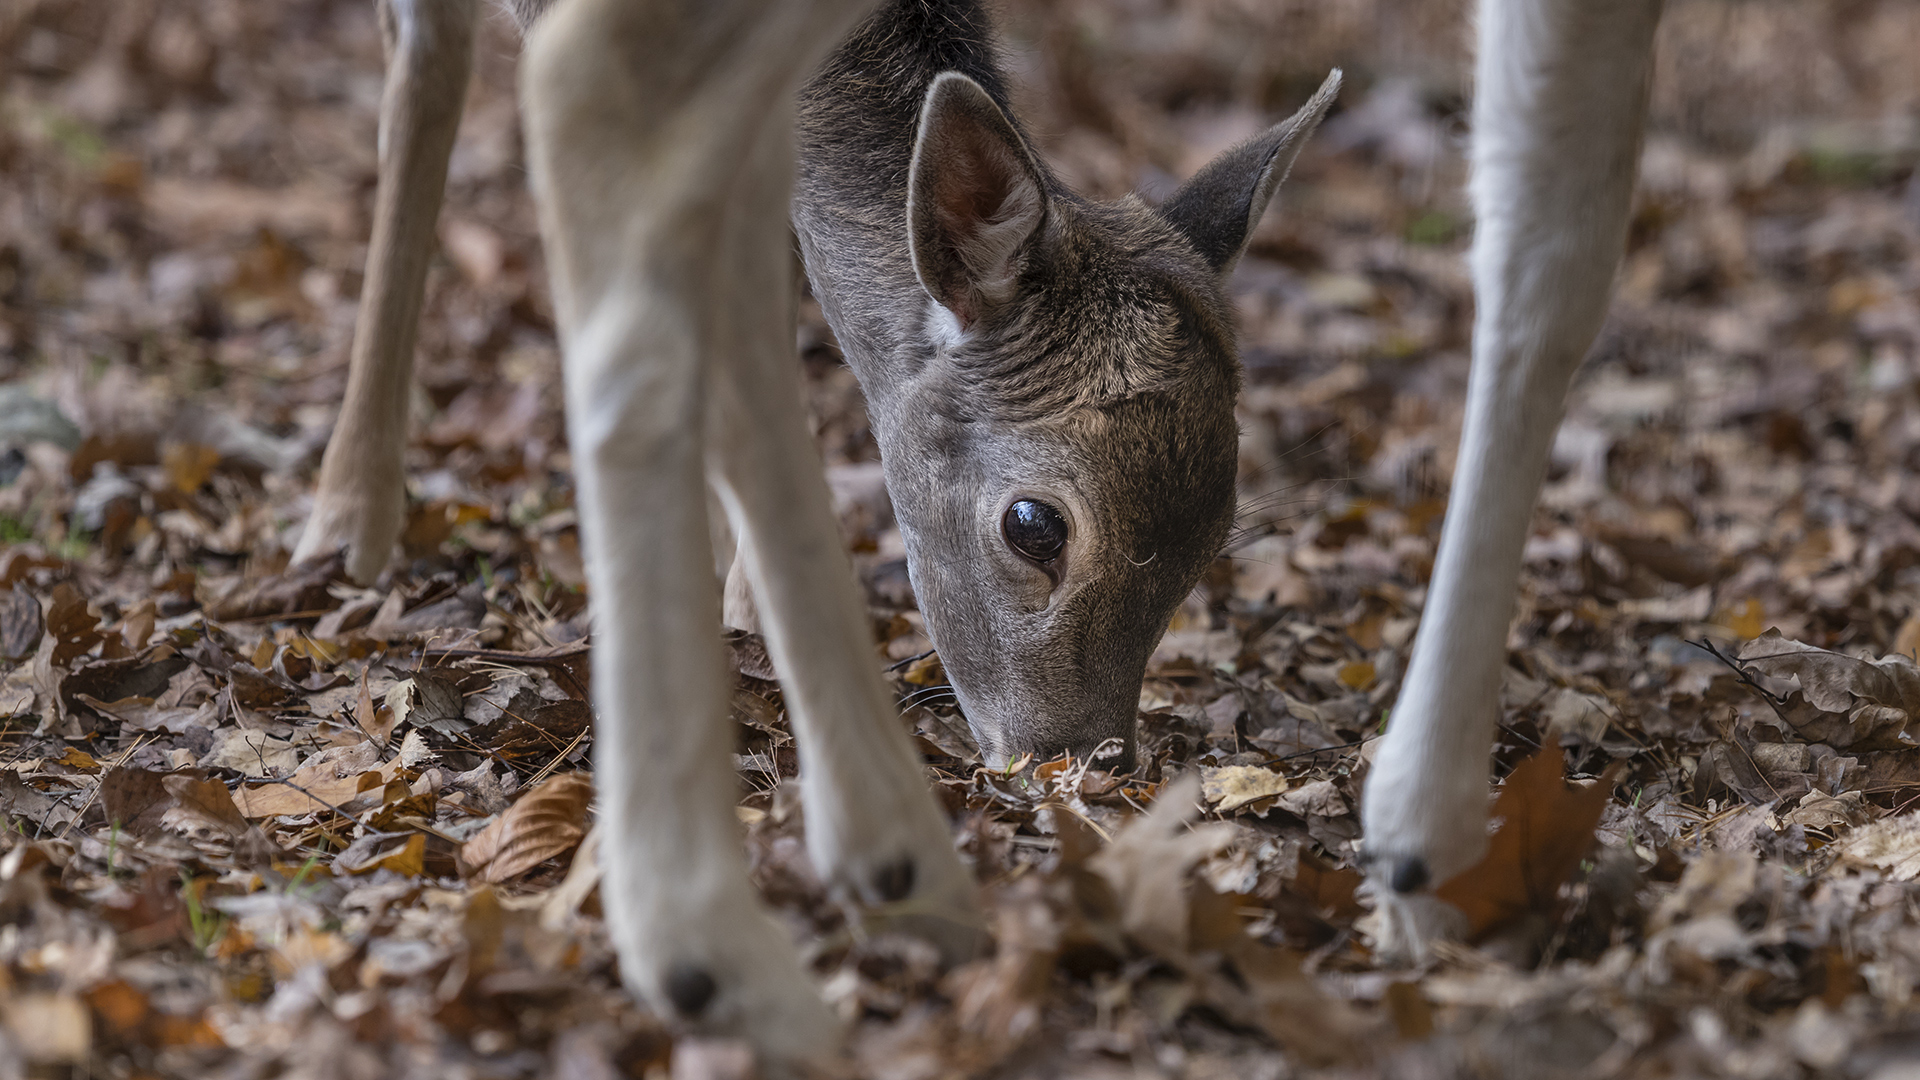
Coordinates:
894 881
1409 875
690 989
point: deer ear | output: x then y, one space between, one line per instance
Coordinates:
974 198
1219 207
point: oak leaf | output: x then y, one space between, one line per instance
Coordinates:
1546 828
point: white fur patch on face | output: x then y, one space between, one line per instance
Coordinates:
943 328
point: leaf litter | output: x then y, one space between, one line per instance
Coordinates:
261 821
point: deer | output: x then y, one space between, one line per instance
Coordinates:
1051 382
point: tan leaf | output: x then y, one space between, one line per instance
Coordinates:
546 822
1890 844
1234 786
376 720
49 1029
1148 861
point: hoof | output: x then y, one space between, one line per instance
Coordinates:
690 989
1409 875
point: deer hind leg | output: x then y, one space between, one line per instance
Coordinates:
1561 97
873 830
362 492
647 128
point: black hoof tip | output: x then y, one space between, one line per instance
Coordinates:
894 881
1409 875
690 989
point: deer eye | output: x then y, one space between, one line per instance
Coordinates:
1035 530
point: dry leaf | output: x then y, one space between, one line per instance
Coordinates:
21 625
545 823
189 465
404 854
1546 828
1848 703
201 805
1148 861
49 1029
1234 786
1890 844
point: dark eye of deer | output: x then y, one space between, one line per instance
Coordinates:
1035 530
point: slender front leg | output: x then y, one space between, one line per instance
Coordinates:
1557 116
362 492
647 128
873 829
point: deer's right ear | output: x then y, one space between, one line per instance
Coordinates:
974 198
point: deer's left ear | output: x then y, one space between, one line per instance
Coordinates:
976 197
1219 207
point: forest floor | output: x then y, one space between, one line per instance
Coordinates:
260 822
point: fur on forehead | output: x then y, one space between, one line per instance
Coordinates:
1112 303
1171 464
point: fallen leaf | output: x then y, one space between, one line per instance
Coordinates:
21 625
201 804
1233 786
1890 844
49 1029
1852 703
1546 828
1148 861
404 854
189 465
545 823
1357 675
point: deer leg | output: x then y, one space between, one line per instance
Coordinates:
642 120
873 829
1561 97
362 492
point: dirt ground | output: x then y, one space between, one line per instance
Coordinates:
259 822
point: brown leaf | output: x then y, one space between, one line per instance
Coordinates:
21 625
378 721
546 822
1328 888
135 799
189 465
1546 828
203 802
1856 704
404 854
73 627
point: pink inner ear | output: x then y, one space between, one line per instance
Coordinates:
971 195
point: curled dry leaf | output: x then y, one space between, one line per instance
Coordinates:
547 822
1846 702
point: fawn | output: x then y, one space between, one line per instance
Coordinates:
1051 383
